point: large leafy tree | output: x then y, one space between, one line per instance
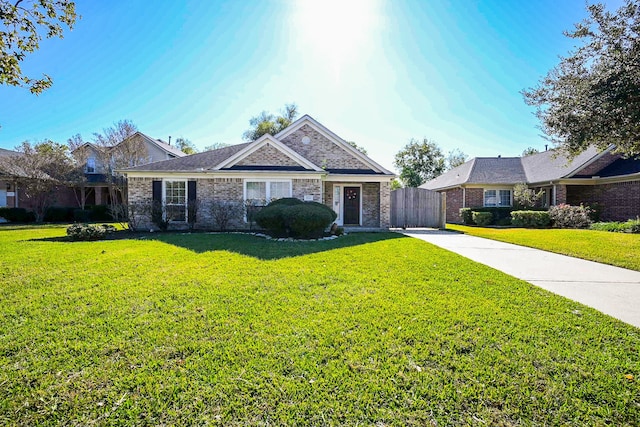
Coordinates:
22 26
419 161
593 95
270 123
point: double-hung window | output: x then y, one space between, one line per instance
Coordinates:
260 193
175 200
497 198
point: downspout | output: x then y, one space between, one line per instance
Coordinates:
464 197
555 201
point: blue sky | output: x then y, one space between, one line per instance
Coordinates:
374 72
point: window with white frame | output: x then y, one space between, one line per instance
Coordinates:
262 192
497 198
175 201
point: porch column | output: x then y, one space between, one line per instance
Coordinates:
98 194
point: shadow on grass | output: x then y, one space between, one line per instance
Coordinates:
260 248
240 243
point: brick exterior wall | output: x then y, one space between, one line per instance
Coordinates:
321 151
454 204
619 201
560 194
302 187
267 155
474 197
371 204
596 166
208 190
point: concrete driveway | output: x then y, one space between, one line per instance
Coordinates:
612 290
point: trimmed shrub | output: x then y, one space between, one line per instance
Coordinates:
466 215
308 220
77 232
499 213
81 215
567 216
59 214
272 218
504 222
286 201
482 218
99 213
285 217
530 219
631 226
17 215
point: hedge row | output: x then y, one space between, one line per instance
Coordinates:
59 214
561 216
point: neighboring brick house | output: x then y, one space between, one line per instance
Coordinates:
306 161
597 178
9 193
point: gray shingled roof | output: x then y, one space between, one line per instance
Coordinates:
550 165
194 162
454 177
497 170
537 168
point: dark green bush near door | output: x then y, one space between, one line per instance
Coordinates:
295 218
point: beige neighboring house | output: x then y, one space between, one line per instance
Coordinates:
306 160
138 149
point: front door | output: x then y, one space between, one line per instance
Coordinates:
351 206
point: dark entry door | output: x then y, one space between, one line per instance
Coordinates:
351 206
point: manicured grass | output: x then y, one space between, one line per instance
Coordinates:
369 329
620 249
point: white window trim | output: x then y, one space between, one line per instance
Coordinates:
164 198
497 190
267 187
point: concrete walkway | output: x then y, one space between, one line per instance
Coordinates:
612 290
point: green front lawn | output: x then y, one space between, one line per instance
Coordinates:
370 329
620 249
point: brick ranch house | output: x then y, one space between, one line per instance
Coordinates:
594 177
306 161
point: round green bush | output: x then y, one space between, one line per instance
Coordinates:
309 220
286 201
272 219
286 217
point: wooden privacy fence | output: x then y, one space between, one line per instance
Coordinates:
417 207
